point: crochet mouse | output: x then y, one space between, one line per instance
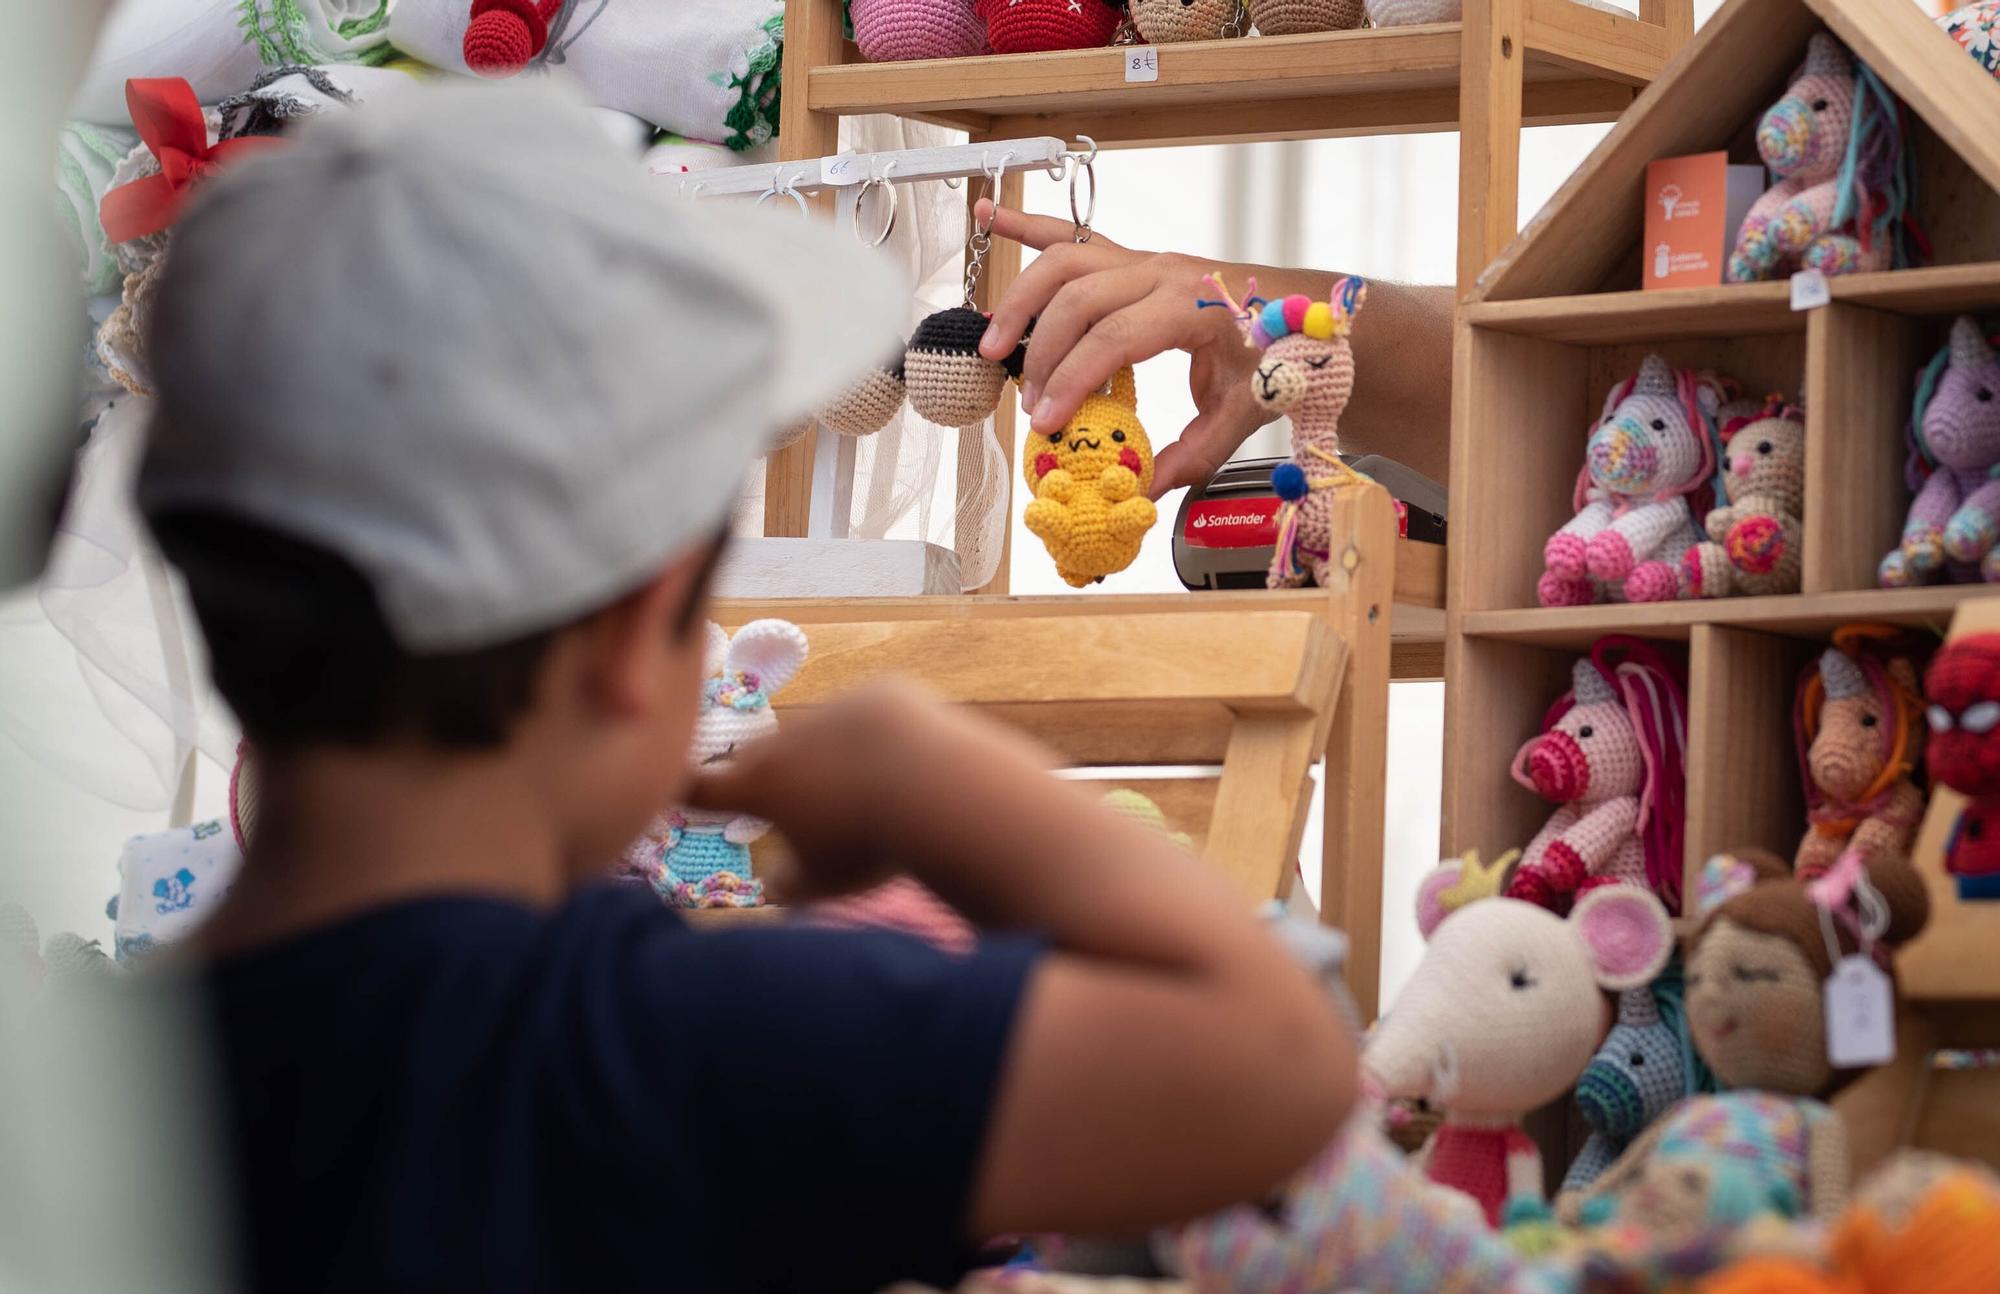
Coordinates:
1091 481
701 859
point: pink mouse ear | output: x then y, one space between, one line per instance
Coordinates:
1628 933
1431 910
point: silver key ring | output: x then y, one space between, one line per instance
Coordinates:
880 181
787 187
1084 167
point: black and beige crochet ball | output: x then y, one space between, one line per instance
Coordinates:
957 332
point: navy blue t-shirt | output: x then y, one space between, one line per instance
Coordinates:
465 1094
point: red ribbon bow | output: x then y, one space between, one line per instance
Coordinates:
169 119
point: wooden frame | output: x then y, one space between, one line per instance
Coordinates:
968 649
1548 329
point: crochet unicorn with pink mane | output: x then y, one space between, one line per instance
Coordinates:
1611 757
1306 371
1649 470
1954 521
1837 143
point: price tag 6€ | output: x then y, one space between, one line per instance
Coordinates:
1142 63
1860 1015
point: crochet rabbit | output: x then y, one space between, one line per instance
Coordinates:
1756 541
1836 142
1609 759
1651 451
1954 521
1858 732
1091 481
697 858
1502 1017
1757 968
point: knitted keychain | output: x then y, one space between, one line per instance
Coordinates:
945 377
1092 481
888 31
506 37
870 401
1170 22
1038 26
1293 17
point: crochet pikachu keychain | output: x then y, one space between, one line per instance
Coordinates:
1092 482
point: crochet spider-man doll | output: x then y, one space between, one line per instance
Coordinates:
1963 689
1035 26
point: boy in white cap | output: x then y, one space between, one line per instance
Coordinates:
452 410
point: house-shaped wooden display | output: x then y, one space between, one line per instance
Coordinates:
1558 320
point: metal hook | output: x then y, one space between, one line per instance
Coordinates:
880 179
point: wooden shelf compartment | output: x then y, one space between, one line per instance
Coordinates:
1712 97
1515 683
1525 405
1580 64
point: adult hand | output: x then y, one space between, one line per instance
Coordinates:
1096 307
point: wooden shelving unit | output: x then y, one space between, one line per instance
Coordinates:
1553 324
1509 64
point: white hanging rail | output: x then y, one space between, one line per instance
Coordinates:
905 166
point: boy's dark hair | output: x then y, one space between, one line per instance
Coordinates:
299 649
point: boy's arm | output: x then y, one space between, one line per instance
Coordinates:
1168 1057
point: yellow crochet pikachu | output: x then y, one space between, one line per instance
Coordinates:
1091 482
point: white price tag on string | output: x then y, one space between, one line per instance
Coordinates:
1809 290
1142 63
1860 1015
848 168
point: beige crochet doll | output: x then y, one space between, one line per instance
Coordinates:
1756 541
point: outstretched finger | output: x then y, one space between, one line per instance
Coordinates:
1128 336
1078 306
1037 232
1203 447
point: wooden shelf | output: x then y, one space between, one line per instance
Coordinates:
1734 310
1575 628
1581 65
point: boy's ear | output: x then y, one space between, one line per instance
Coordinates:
773 650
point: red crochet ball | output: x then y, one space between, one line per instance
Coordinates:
1036 26
1964 674
504 35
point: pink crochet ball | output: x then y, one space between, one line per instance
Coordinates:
1037 26
888 31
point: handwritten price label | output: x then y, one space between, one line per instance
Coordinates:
1142 63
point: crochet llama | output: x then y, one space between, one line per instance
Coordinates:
1756 541
1502 1016
1836 142
1610 758
696 858
1306 372
1857 726
1955 425
1091 481
1649 457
